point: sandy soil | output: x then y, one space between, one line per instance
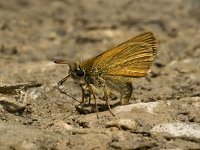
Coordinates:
164 108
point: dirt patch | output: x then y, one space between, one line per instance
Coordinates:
164 106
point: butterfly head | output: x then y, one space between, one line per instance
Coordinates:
76 71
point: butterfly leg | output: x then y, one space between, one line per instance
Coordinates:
91 88
127 90
83 94
89 97
106 95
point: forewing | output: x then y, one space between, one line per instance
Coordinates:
102 60
131 58
146 37
133 61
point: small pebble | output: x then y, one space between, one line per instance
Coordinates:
126 124
62 125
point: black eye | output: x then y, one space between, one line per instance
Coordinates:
80 73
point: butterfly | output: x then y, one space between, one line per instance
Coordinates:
115 68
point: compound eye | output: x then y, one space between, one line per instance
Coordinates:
80 73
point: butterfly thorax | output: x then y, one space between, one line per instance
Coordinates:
83 72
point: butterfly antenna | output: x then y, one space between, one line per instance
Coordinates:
58 61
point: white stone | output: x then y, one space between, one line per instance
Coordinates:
148 107
178 129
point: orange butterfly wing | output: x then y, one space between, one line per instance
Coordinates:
131 58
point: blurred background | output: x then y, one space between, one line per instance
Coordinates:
35 31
